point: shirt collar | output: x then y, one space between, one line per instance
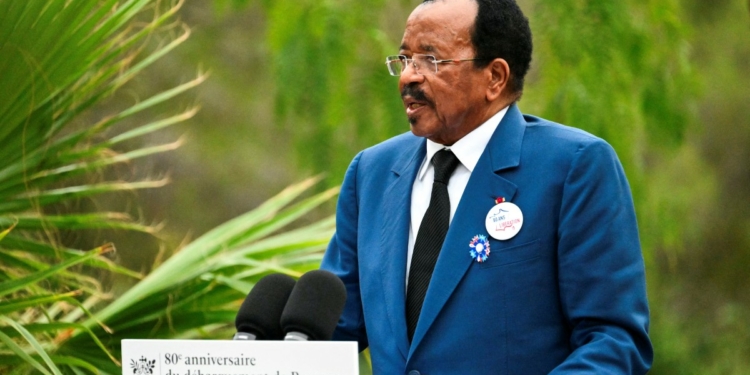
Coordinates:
469 148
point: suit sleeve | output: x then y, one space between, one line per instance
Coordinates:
601 271
341 259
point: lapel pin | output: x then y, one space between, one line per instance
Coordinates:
504 220
480 248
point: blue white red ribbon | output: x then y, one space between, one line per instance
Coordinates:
480 248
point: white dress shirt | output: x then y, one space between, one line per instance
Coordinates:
468 150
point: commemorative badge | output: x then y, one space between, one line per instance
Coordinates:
504 220
480 248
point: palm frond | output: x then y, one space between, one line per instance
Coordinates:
60 59
197 291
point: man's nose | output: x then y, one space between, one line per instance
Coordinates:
410 74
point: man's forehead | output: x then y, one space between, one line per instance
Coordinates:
447 11
436 25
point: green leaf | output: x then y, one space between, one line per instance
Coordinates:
9 306
34 344
22 354
5 232
11 286
113 220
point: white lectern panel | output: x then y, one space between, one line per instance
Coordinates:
225 357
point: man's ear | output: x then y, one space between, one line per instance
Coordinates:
499 75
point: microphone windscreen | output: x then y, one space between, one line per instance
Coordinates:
315 305
261 310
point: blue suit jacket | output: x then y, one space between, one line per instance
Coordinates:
566 295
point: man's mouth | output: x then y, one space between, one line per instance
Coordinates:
414 99
413 107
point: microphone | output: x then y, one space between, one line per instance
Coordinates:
314 307
258 317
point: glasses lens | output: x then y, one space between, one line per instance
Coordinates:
395 64
422 64
425 63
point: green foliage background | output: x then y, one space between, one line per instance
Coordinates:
296 88
64 163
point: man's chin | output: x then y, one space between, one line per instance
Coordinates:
418 129
423 126
414 127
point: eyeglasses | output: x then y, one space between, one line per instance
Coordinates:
421 63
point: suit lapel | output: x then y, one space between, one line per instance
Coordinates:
502 152
394 240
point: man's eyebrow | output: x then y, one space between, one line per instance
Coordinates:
422 47
427 48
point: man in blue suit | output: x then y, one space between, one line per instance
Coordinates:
514 251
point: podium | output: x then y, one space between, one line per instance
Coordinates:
227 357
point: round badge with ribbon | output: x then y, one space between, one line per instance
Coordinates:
504 221
480 248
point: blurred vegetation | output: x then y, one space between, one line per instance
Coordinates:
297 88
50 74
58 314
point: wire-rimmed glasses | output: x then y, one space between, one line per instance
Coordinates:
421 63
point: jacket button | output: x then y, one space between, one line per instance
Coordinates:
414 372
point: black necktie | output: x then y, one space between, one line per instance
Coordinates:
430 238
